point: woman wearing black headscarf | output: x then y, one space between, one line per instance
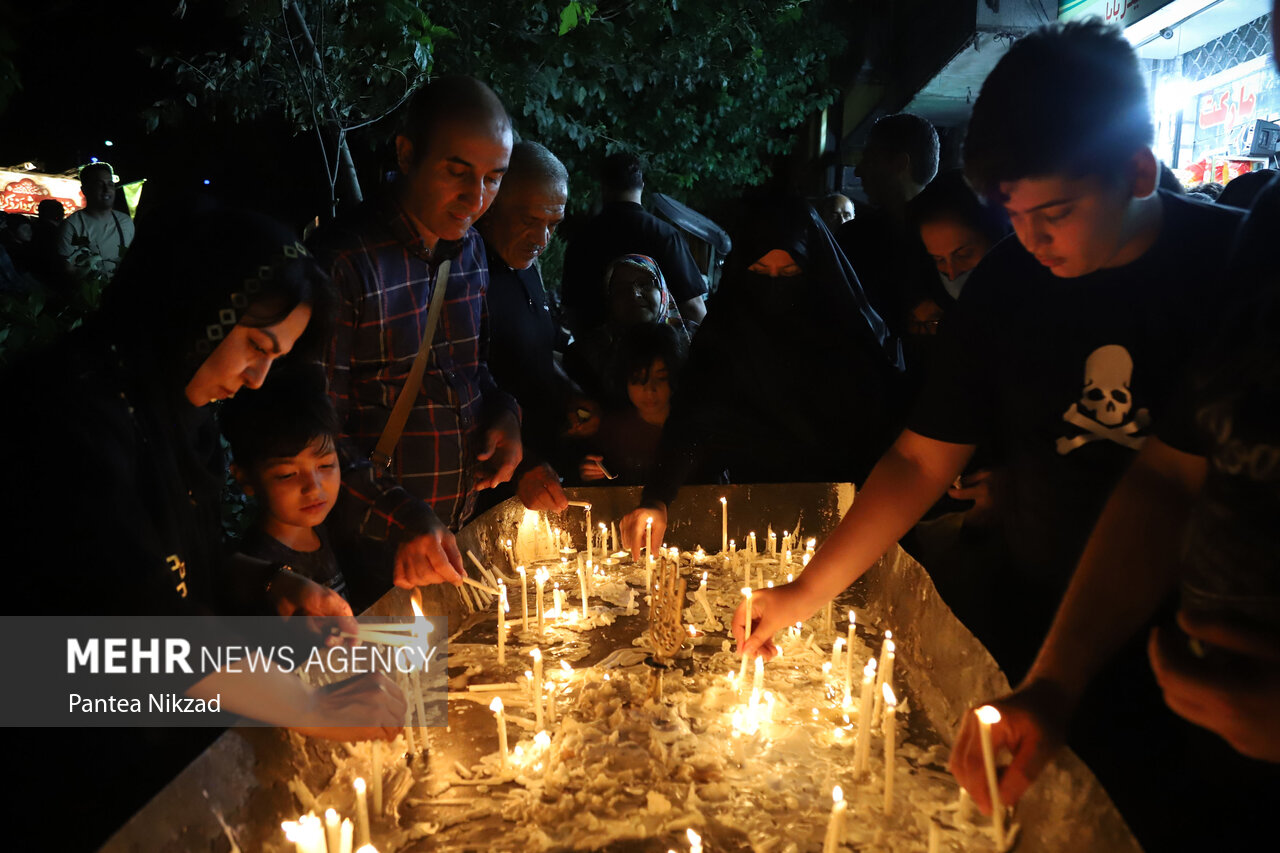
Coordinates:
791 377
115 472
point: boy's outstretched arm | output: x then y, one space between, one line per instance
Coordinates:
906 481
1127 567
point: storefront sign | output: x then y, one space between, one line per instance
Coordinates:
1122 12
1229 105
22 192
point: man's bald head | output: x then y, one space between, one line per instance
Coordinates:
529 207
454 98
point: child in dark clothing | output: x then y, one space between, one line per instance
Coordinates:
283 443
649 361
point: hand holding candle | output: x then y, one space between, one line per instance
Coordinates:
988 716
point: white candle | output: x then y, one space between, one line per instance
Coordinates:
376 771
502 623
511 557
648 542
935 837
773 541
863 749
332 831
848 661
362 812
835 653
695 841
604 542
496 707
537 685
757 684
886 650
557 597
988 716
702 597
890 742
613 534
524 598
724 525
582 582
540 577
746 634
835 827
346 841
422 629
586 529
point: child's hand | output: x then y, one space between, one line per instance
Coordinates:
291 593
591 467
429 558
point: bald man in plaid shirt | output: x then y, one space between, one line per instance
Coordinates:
463 433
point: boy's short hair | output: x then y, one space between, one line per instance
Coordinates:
281 419
640 346
1068 99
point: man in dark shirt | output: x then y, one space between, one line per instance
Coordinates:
900 159
623 227
518 227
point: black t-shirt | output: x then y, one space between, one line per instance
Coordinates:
891 264
1063 378
623 228
1229 413
319 565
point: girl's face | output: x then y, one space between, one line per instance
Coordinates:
776 263
635 295
652 397
244 356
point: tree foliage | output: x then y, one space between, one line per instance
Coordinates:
704 90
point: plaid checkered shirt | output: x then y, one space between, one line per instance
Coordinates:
385 277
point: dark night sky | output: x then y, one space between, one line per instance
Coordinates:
84 80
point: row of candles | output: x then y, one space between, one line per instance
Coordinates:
310 835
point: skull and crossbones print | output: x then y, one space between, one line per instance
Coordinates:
1103 410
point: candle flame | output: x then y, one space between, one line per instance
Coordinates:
888 635
694 838
839 644
853 618
564 665
890 647
536 654
359 784
520 570
889 698
988 715
648 522
291 830
542 740
723 499
530 516
330 815
837 794
366 848
759 664
869 671
746 590
496 705
704 576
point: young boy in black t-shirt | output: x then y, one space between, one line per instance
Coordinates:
284 454
1064 350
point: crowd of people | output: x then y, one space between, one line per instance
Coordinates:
1034 354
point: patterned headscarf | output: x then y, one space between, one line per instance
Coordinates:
668 307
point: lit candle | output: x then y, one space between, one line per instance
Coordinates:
511 556
848 661
347 838
613 534
773 541
835 653
784 546
890 741
886 669
498 710
786 558
751 543
724 525
648 542
376 771
524 598
864 717
582 582
332 831
695 841
835 827
421 630
537 685
557 597
702 597
367 848
988 716
604 542
886 650
586 529
746 634
362 812
502 622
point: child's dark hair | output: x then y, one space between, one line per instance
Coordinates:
1067 99
290 411
640 346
